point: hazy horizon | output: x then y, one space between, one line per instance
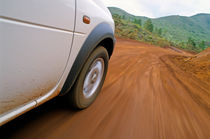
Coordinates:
156 17
161 8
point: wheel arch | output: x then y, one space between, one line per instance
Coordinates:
107 43
102 35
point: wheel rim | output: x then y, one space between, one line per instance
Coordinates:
93 77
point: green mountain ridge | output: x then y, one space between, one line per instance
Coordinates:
175 28
127 29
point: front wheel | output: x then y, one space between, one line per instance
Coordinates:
90 79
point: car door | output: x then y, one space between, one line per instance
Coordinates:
35 43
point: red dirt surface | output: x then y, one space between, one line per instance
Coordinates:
198 65
146 95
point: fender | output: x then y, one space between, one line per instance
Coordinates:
101 32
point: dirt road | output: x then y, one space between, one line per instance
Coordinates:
144 96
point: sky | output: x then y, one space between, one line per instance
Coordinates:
159 8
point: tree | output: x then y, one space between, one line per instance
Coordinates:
160 31
191 43
137 21
202 45
148 25
116 16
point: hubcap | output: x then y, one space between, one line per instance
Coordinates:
93 77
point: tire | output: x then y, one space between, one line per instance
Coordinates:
90 80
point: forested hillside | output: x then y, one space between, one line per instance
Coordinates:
192 33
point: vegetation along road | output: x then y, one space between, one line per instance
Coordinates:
146 95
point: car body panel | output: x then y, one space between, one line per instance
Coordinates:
97 13
32 61
53 13
35 43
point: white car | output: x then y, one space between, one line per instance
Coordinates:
50 48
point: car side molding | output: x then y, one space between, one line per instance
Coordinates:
100 33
